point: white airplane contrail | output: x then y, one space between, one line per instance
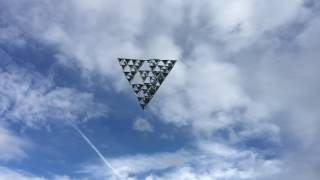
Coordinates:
106 162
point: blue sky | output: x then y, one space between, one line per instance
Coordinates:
241 103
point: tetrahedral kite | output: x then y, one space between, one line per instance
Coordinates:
145 76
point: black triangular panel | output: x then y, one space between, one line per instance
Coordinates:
152 80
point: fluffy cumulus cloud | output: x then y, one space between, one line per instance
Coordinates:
247 68
32 99
211 161
208 89
131 166
142 125
6 173
12 147
238 24
97 33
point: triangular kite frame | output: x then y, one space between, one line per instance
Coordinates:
152 72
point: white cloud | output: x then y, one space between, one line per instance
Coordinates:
17 174
220 162
12 147
205 93
87 36
96 44
6 173
63 177
241 62
142 125
286 82
240 23
32 99
11 35
130 166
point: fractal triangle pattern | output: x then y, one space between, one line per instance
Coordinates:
145 76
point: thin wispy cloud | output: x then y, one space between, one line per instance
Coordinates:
96 150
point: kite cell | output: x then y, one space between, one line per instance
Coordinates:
145 76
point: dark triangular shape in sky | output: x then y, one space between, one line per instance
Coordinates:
145 76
